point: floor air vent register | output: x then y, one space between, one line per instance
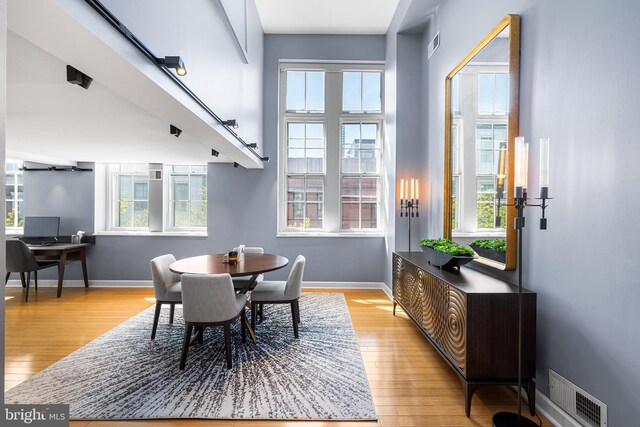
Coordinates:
585 408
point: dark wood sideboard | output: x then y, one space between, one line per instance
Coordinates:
472 321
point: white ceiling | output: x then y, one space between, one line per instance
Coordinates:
53 121
326 16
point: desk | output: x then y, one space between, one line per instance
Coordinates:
63 253
253 265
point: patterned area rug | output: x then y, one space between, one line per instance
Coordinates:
125 375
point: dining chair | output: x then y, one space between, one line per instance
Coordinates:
167 288
278 292
210 300
241 281
21 260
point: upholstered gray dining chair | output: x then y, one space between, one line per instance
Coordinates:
210 300
167 288
277 292
21 260
240 282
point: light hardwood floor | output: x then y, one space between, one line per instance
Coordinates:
410 383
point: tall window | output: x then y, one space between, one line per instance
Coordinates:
491 144
330 149
129 196
188 196
13 185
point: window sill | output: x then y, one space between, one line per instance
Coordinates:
320 234
478 234
153 233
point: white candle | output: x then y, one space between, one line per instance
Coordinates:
544 163
521 164
402 189
406 189
412 188
417 189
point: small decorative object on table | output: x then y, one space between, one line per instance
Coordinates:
446 254
233 257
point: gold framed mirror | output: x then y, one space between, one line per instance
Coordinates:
481 123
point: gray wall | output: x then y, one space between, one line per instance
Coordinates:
242 203
579 87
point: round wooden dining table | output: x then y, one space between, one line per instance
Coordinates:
253 265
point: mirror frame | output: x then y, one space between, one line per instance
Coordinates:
512 21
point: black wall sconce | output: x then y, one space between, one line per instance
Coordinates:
236 164
214 153
233 123
77 77
174 130
265 158
173 62
252 145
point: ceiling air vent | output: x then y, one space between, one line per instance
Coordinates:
155 174
585 408
433 45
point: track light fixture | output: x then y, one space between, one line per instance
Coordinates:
252 145
77 77
173 62
265 158
233 123
236 164
56 169
175 131
214 153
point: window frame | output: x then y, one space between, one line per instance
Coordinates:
333 117
113 179
15 200
168 197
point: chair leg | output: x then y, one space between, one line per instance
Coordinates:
227 343
200 335
261 313
35 279
185 344
298 310
173 309
243 318
6 280
28 280
294 315
156 317
24 283
253 316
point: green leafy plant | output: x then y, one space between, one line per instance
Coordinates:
498 245
447 246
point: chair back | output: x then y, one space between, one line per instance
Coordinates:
293 288
208 298
253 250
19 258
162 276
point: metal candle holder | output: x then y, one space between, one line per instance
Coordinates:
409 208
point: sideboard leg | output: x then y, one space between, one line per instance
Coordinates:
530 388
468 389
394 307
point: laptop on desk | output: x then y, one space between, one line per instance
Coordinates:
41 230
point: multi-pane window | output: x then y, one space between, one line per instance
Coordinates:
493 93
130 196
455 173
13 185
491 145
330 148
188 196
360 176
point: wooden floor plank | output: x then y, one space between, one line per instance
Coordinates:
410 383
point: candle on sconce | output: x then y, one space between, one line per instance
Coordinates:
417 189
521 167
401 190
412 188
544 168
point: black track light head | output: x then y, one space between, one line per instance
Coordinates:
175 131
265 158
236 164
252 145
173 62
214 153
233 123
77 77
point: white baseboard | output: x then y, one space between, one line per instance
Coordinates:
553 413
149 284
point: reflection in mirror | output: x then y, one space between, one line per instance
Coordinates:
482 121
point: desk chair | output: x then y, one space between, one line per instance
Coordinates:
272 292
21 260
167 288
210 300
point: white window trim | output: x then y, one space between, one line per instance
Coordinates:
334 117
14 230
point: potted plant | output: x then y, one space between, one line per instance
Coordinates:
495 249
444 253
